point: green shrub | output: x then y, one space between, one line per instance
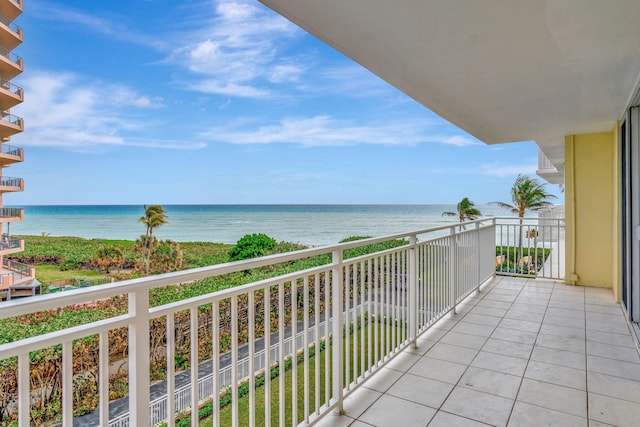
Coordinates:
251 246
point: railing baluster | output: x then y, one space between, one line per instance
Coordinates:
195 398
251 314
139 358
267 356
171 366
337 274
103 376
316 341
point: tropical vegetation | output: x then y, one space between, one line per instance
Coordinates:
465 211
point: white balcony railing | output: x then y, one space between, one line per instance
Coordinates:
355 314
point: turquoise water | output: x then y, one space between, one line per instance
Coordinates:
313 225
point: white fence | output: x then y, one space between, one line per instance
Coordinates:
531 247
377 305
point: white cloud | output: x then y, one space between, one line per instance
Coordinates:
326 131
117 28
67 110
459 141
239 51
502 171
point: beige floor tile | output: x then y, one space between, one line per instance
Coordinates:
424 391
464 340
520 325
559 357
440 370
359 401
567 305
624 340
489 311
611 386
560 343
383 379
556 319
526 415
554 397
576 314
478 406
527 316
403 361
625 354
604 309
390 411
480 319
433 334
452 353
613 367
332 420
445 419
358 423
508 348
473 329
493 304
563 331
445 324
613 411
613 327
529 308
514 335
500 363
491 382
500 297
556 374
422 347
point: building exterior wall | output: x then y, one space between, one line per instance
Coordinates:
592 209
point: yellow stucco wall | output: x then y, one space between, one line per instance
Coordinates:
590 184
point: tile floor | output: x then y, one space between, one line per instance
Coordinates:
519 353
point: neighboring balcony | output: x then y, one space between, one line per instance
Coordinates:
10 245
547 171
10 125
9 184
10 33
10 154
10 94
11 215
10 64
11 8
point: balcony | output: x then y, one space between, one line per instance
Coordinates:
8 184
10 95
11 214
547 170
10 244
10 155
10 33
17 279
10 125
423 333
10 64
11 8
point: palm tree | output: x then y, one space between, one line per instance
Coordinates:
527 194
465 211
154 216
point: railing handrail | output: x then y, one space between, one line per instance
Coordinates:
10 55
10 212
9 181
50 301
11 118
10 86
11 150
16 266
9 23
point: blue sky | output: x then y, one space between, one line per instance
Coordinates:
214 102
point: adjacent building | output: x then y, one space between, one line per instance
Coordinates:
15 278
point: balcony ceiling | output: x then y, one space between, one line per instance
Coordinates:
503 71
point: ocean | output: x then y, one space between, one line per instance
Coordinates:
311 225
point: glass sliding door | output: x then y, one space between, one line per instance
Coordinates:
630 207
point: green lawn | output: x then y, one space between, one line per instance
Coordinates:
52 273
243 402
